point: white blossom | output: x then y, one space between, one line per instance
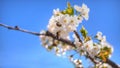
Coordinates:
84 10
88 45
99 35
56 12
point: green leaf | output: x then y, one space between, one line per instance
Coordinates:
69 10
84 32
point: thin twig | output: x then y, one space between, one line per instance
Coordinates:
78 36
19 29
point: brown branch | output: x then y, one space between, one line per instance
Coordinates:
92 59
78 36
59 39
19 29
112 63
38 34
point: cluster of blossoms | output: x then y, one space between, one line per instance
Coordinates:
100 49
49 43
62 23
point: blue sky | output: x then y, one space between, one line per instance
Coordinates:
21 50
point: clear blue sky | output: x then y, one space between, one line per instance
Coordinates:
21 50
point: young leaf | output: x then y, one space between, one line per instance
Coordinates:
69 10
84 32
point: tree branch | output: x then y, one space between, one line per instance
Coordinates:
95 62
59 39
19 29
78 36
112 63
38 34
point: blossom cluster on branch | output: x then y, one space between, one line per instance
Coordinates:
64 22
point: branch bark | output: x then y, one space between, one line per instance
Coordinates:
78 36
113 64
110 62
38 34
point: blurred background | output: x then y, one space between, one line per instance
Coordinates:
21 50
